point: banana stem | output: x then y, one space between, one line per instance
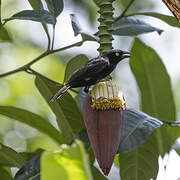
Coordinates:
105 28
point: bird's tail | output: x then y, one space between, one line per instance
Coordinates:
60 93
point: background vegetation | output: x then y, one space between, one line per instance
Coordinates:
29 124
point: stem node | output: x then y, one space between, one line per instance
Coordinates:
105 28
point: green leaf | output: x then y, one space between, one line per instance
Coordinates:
1 139
42 142
157 101
55 6
30 170
66 110
74 64
141 163
32 120
39 15
153 81
4 35
130 26
172 21
9 157
116 160
83 136
29 155
36 4
86 36
97 174
70 162
4 174
138 127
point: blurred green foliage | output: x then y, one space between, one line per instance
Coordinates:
19 90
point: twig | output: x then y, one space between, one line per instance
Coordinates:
67 47
125 10
46 53
33 72
23 68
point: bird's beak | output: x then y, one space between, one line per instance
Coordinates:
126 54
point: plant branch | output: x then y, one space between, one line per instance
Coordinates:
33 72
10 72
67 47
46 53
125 10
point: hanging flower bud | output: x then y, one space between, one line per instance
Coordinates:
103 113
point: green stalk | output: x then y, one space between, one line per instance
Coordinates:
105 28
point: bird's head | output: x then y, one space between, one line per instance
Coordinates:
116 55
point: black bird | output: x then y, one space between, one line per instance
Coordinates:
93 71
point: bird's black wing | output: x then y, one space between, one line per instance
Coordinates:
90 69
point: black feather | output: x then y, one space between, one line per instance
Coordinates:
93 71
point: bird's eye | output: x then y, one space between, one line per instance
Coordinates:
117 54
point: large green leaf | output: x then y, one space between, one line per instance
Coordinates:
9 157
39 15
137 129
30 170
157 101
172 21
4 35
86 36
130 26
55 6
29 155
70 162
74 64
66 110
97 174
83 136
42 142
36 4
32 120
5 174
156 93
153 81
142 163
